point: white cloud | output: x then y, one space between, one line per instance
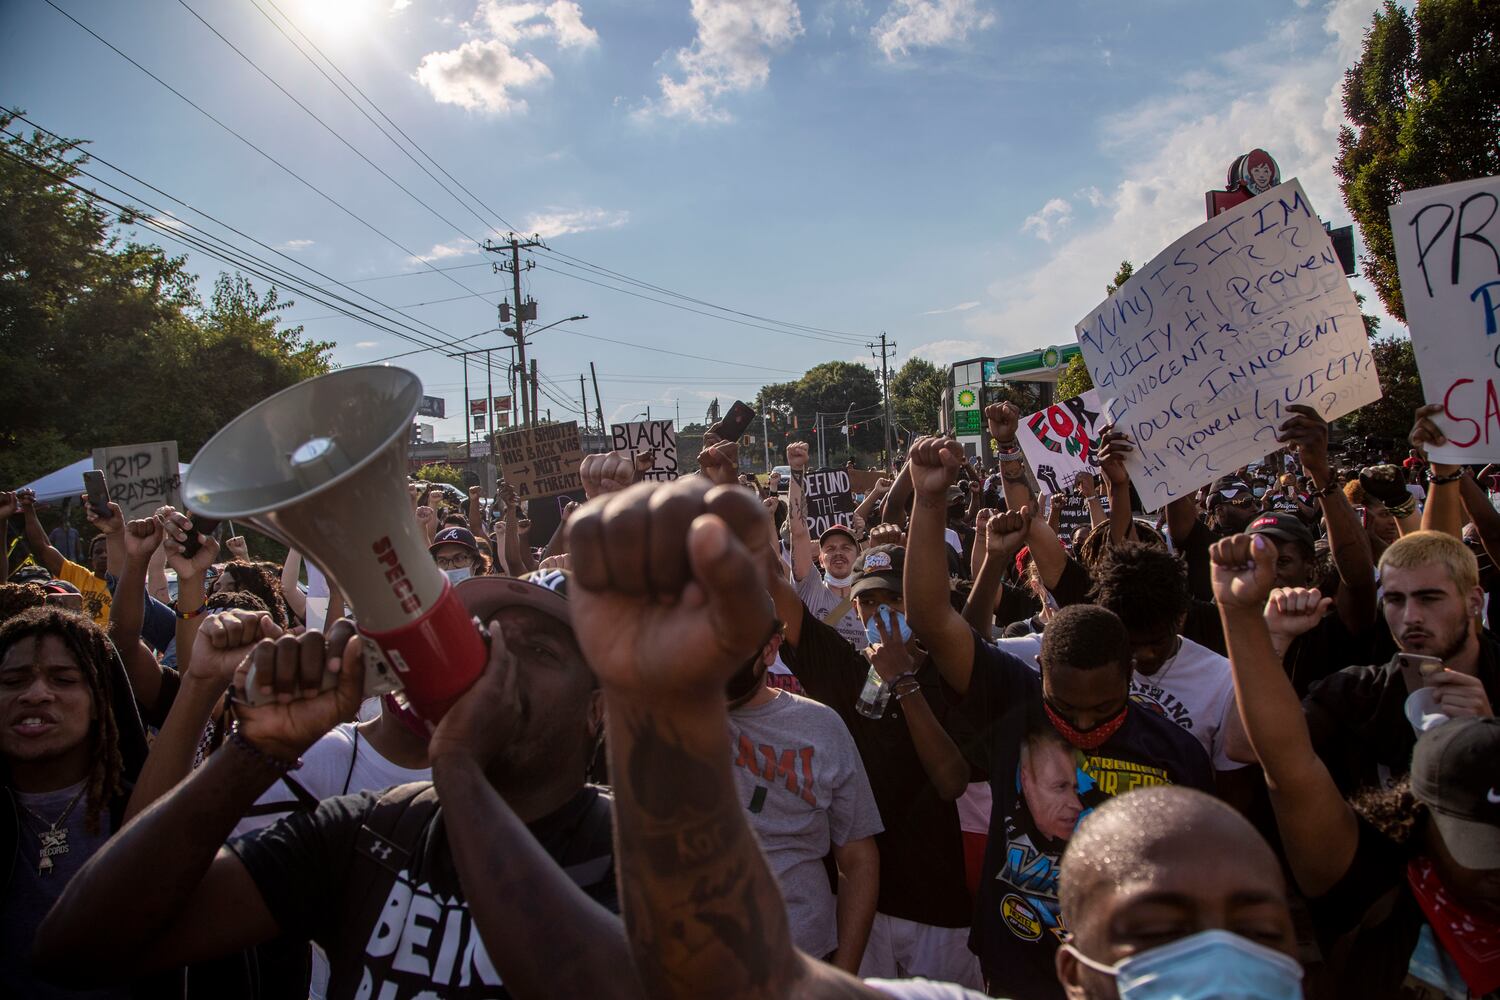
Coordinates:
961 307
481 76
365 345
562 222
1169 150
443 251
167 222
294 245
927 24
483 73
397 6
731 54
1054 216
945 352
1093 196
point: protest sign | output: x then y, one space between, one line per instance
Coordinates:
829 499
540 461
1199 353
1073 513
1062 441
140 477
863 482
1446 250
656 436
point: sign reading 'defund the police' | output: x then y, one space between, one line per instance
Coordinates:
1448 253
1199 354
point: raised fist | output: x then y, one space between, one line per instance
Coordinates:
1003 419
796 455
1244 570
607 473
934 463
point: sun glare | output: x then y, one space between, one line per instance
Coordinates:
333 15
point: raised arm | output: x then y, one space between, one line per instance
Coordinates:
142 539
1307 432
36 538
1113 447
1444 510
893 510
932 465
190 572
1002 420
799 540
8 509
702 909
872 499
291 572
941 759
112 528
1318 829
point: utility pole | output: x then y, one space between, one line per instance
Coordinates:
887 351
598 403
533 383
583 393
468 433
523 310
765 433
489 408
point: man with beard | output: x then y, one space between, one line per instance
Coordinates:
827 595
806 792
496 880
1360 717
1082 694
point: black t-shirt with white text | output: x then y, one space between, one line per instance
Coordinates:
1042 787
311 873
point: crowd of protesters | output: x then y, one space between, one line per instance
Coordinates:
1241 748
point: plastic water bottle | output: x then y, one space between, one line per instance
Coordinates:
873 699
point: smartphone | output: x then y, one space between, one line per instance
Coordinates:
201 526
1416 669
732 426
1364 518
93 482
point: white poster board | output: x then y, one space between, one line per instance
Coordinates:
1198 355
1448 252
1062 440
648 435
141 477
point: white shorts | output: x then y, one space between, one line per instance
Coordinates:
900 949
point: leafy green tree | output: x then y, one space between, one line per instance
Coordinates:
1401 388
833 389
105 340
1121 276
1075 379
441 472
1424 100
917 395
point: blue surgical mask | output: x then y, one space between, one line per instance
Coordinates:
894 621
457 575
1210 965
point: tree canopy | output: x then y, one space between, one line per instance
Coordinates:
917 395
106 341
832 389
1424 102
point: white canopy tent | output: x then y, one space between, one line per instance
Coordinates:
68 481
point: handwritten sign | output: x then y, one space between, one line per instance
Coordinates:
1448 253
141 477
1062 441
1198 355
541 461
1073 513
649 435
829 499
862 481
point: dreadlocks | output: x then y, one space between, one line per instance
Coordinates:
263 579
95 655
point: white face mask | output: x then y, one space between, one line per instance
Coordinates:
456 575
1209 965
838 581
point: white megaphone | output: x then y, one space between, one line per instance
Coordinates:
322 467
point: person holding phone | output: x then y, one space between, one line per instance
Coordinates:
95 581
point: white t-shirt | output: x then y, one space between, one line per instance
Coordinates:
922 989
326 772
954 542
820 599
1194 689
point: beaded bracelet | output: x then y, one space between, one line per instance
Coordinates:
1444 480
902 694
188 616
274 763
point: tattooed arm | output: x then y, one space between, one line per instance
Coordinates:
702 910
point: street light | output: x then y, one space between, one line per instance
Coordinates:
510 331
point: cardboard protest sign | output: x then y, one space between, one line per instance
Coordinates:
648 435
1062 441
140 477
1198 355
829 499
861 481
540 461
1446 249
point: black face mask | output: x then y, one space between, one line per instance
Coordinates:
745 680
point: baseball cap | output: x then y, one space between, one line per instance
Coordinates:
1453 774
1283 527
838 529
1228 488
544 590
454 536
55 586
879 568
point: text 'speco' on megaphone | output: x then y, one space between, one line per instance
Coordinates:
322 467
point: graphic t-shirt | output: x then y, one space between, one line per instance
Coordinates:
818 598
314 868
805 791
918 822
1194 689
1042 788
97 596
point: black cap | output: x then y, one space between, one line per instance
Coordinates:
1228 488
1282 527
1453 774
879 569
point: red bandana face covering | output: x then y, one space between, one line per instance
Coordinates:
1091 738
1471 941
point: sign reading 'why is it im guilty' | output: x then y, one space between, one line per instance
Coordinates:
1199 354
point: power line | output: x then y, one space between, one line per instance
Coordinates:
288 170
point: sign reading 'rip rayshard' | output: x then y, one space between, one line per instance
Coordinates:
1198 355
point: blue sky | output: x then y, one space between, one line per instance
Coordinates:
962 174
